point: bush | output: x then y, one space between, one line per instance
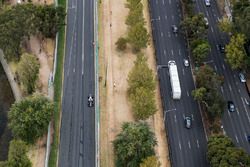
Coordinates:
121 44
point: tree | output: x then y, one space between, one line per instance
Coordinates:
29 118
195 26
121 43
200 52
222 153
133 4
17 154
143 103
138 36
225 25
27 70
133 144
151 161
135 16
235 52
199 94
140 75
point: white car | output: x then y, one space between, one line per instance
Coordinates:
207 2
185 62
206 21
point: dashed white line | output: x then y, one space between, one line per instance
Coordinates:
207 13
172 52
245 109
215 67
169 1
212 29
183 71
74 70
237 140
223 66
172 17
221 88
230 88
197 142
237 111
189 145
165 52
192 117
166 17
239 90
179 52
163 2
156 1
179 145
187 94
218 19
175 120
161 34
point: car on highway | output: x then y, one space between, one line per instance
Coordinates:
90 100
188 122
174 29
242 77
248 138
230 106
185 62
207 3
221 48
206 21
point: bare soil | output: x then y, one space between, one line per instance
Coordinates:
114 69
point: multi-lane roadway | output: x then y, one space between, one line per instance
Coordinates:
187 146
236 124
77 134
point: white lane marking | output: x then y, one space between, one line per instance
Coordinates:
192 117
197 142
245 109
183 116
166 17
230 88
207 13
179 52
161 34
229 113
175 120
221 88
169 1
245 135
212 29
189 145
246 101
179 145
187 94
172 17
234 76
218 19
237 111
215 67
74 70
239 90
183 71
223 66
164 52
172 51
237 140
163 2
156 1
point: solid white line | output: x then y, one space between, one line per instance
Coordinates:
83 40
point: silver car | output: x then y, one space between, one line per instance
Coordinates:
185 62
242 77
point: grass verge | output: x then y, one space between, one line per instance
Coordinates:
58 92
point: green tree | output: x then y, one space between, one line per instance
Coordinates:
200 52
29 118
143 103
222 153
28 69
138 36
235 52
140 76
133 144
151 161
133 4
195 26
17 155
135 16
225 25
199 94
121 44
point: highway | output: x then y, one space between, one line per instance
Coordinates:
77 133
236 124
187 146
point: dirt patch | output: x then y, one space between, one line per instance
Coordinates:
114 69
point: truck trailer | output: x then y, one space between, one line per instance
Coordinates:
174 80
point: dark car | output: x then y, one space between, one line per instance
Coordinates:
230 106
174 29
242 77
188 122
248 138
90 101
221 48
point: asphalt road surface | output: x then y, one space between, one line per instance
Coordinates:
236 124
77 140
187 146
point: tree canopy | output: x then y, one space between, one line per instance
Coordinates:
29 118
27 70
235 51
200 51
222 153
151 161
225 25
133 144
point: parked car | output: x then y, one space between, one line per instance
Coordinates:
230 106
174 29
242 77
207 3
90 100
185 62
188 122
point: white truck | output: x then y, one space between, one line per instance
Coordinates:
174 79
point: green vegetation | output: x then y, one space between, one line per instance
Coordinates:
141 89
121 44
133 144
208 82
27 70
235 51
151 161
222 153
29 118
200 50
17 155
225 25
20 21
